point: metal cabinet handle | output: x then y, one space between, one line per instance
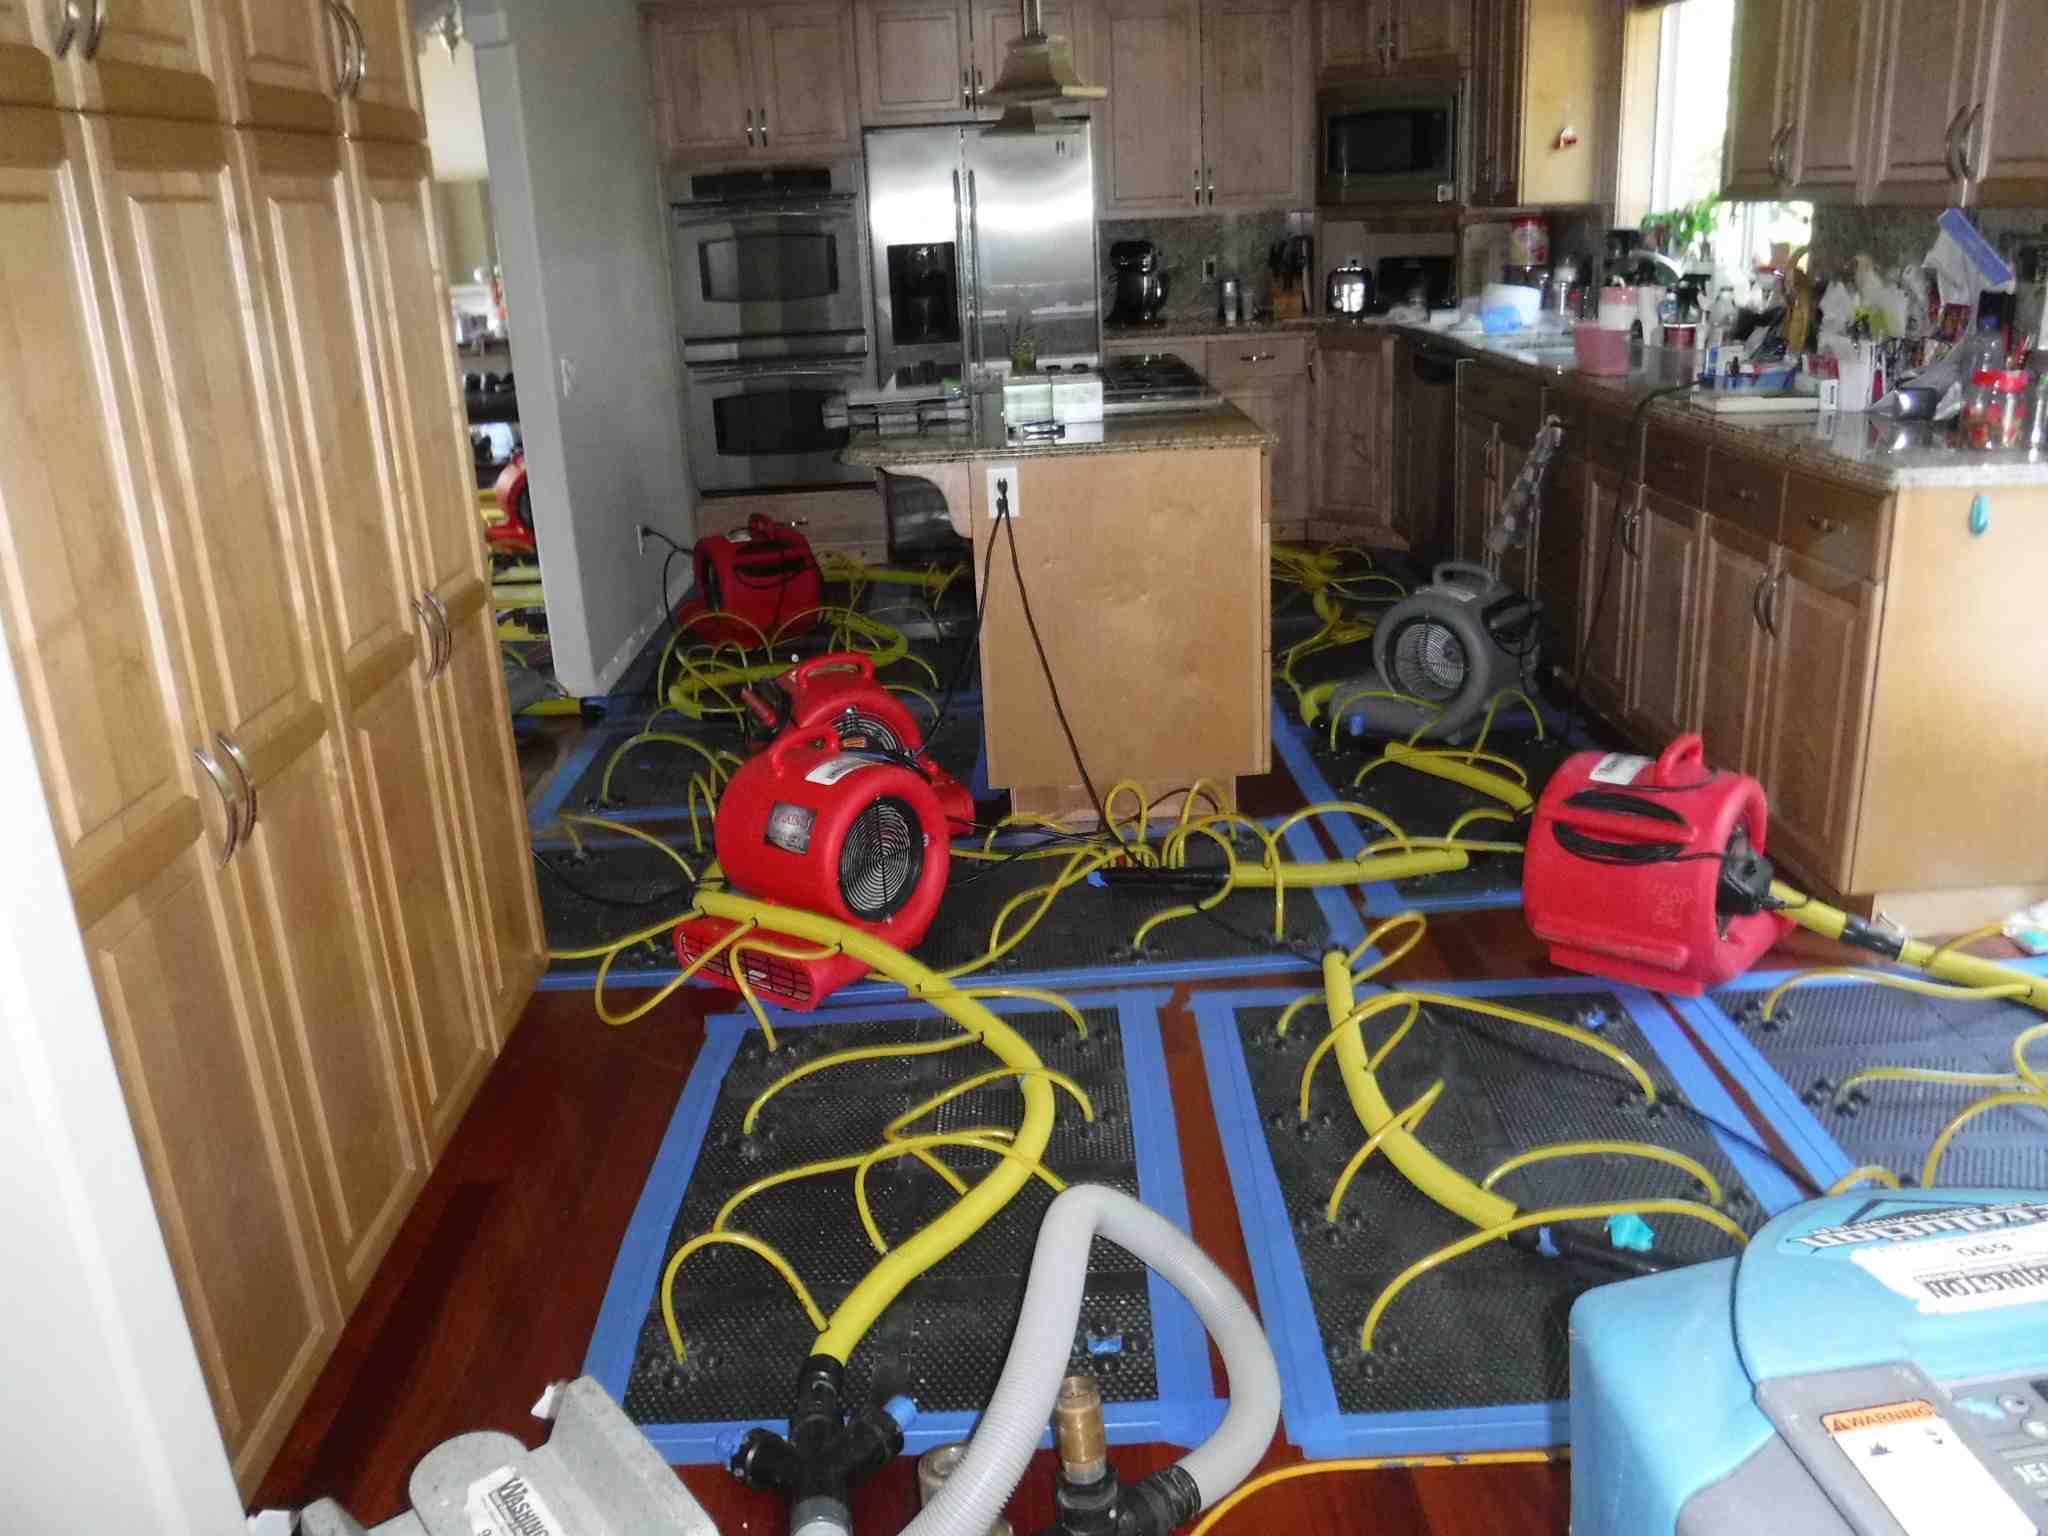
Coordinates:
764 127
362 49
966 91
432 634
1756 600
447 628
229 802
90 43
1821 524
69 24
1212 186
1771 603
1256 357
1743 493
1973 147
750 123
977 81
1198 186
236 756
1955 141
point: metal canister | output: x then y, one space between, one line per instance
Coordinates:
1230 301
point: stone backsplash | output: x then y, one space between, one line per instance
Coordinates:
1240 243
1892 237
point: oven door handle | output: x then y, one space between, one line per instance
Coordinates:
783 217
719 375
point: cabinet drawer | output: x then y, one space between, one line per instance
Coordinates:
1255 357
1747 492
1516 403
1675 465
1612 441
1847 529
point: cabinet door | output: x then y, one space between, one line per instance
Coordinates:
1154 57
1353 38
351 501
1823 660
28 74
1477 442
803 79
1610 587
1494 105
1666 542
1837 52
1924 87
154 58
704 95
94 639
1256 102
1730 674
1759 85
916 63
2008 148
385 103
283 60
1351 435
1429 36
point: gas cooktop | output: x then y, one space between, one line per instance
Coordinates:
1154 381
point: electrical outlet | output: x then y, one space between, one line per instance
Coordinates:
1208 269
1003 491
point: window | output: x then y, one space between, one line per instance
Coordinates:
1692 44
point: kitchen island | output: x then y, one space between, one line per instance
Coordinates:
1143 554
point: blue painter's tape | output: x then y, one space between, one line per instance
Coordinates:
1185 1412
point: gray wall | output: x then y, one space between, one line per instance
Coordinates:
583 242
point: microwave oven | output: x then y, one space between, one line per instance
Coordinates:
1395 141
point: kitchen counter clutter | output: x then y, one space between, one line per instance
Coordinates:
983 437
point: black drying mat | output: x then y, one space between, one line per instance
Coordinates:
1088 926
944 1340
1821 1033
1488 1328
656 774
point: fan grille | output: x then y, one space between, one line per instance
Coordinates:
858 730
1429 661
881 859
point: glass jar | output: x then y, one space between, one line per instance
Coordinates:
1994 409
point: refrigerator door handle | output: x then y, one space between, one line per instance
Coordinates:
979 356
963 275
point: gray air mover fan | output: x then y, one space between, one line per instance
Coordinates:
1452 645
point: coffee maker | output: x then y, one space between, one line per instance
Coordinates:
1140 285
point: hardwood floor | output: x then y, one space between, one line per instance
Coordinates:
494 1285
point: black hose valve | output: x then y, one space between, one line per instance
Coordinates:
826 1454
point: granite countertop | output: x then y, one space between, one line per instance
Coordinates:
983 438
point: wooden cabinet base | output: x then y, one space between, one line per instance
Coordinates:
1069 804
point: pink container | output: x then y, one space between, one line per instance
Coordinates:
1601 351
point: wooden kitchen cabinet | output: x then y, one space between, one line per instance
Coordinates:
1152 156
285 62
1477 440
1364 38
1732 654
997 24
385 101
1353 441
1926 80
1540 68
155 58
1257 103
1608 651
1755 161
1267 377
1837 55
2006 140
916 60
1210 105
28 71
1561 558
765 82
1822 627
1662 542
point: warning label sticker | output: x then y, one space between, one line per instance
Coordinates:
1974 1273
1906 1226
503 1503
1618 768
1924 1475
833 769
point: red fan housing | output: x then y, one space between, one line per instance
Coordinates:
754 584
1623 871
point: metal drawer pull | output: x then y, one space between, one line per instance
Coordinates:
1973 148
1771 604
228 803
432 635
228 745
966 94
447 628
750 122
91 43
1743 493
764 127
69 26
362 49
1198 186
1256 357
1756 600
1821 524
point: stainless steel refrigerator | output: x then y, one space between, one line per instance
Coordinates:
976 237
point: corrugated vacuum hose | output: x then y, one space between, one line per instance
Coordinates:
982 1483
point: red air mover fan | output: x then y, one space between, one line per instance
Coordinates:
756 583
1651 872
838 693
849 834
